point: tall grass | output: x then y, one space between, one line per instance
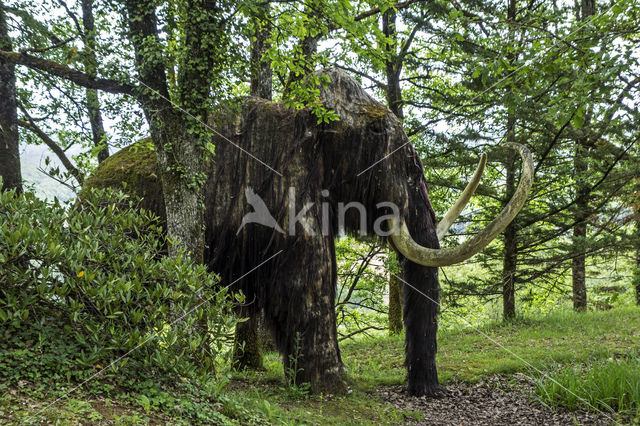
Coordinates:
612 385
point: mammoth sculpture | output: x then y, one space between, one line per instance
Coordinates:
286 266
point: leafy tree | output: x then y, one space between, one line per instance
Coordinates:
175 119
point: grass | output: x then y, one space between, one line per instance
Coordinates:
612 385
530 345
562 345
525 345
540 343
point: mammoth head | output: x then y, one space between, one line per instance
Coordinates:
379 164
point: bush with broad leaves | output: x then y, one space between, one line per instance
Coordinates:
88 284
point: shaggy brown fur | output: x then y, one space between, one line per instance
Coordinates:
296 288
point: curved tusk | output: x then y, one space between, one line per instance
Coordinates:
413 251
463 200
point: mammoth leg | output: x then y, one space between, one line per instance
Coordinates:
303 315
420 294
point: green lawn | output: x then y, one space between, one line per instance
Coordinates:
497 348
530 346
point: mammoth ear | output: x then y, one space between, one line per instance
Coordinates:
463 200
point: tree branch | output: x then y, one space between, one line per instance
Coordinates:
62 71
57 150
378 83
376 10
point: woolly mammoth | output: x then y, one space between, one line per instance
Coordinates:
360 173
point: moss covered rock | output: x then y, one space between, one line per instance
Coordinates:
134 170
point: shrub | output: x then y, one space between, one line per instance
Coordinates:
86 284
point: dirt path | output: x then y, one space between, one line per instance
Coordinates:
492 402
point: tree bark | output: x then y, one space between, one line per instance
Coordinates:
393 64
63 71
588 8
394 102
307 46
395 304
509 262
636 272
9 153
581 211
99 136
636 276
180 158
261 74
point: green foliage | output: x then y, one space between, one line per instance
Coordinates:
306 94
468 355
294 389
362 284
86 287
612 385
247 346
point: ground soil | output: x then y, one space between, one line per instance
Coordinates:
495 401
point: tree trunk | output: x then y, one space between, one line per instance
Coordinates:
509 262
9 153
261 74
394 102
636 275
91 68
581 212
636 272
395 304
307 46
178 140
183 203
393 66
588 8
